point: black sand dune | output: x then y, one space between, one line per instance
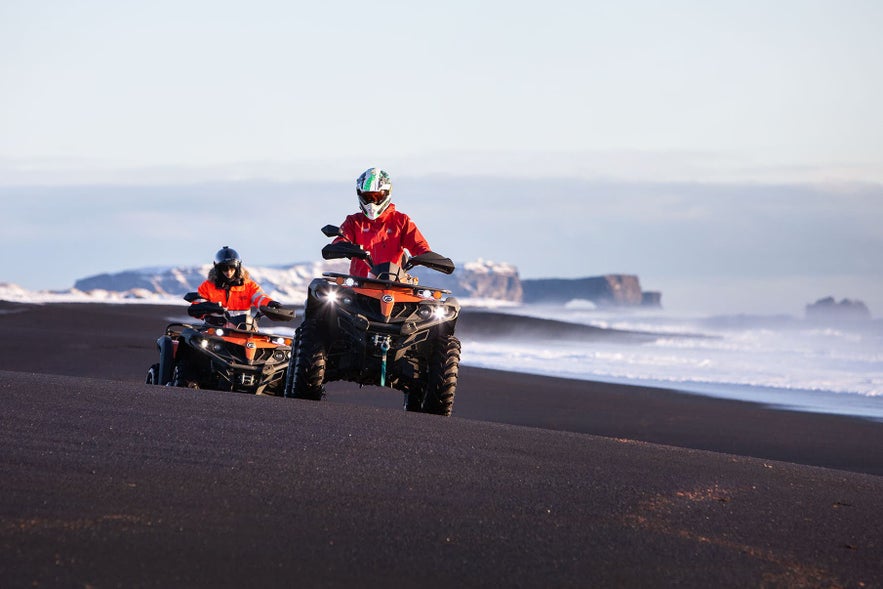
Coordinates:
535 482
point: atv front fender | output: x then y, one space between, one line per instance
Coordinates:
166 359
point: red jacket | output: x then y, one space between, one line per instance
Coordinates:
237 298
385 238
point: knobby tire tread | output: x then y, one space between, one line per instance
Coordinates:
443 374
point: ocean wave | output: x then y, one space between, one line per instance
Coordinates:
780 361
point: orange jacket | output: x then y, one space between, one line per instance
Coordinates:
236 298
385 238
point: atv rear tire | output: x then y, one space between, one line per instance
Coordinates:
153 374
306 370
444 371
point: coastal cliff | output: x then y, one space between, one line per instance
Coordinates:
477 280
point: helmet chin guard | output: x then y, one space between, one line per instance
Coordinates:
374 210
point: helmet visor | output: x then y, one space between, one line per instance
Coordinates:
373 197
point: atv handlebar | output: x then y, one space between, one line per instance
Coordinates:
200 310
277 314
205 308
345 249
431 260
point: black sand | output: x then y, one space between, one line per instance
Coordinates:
108 482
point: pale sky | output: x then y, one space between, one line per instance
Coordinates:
192 83
625 121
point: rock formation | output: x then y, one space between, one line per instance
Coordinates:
829 309
607 290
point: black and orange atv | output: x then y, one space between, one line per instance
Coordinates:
386 330
226 353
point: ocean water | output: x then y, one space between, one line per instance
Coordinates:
777 360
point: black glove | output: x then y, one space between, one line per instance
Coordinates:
274 305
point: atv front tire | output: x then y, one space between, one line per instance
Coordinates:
444 371
306 370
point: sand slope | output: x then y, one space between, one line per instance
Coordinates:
108 482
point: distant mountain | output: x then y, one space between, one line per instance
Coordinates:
477 282
471 280
286 283
12 292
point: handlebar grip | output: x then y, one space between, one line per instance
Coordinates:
199 310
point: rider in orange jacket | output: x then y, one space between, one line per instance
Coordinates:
379 228
230 285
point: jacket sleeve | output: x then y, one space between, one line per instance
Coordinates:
205 290
257 296
348 229
412 239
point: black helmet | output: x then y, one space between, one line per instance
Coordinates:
228 256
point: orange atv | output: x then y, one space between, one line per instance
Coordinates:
225 353
386 330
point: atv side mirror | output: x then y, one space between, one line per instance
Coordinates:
433 261
331 230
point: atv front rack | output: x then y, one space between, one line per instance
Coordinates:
361 281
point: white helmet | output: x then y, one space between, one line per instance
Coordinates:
373 188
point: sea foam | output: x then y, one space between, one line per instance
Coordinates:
777 360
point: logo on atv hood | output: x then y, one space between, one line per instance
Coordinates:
387 298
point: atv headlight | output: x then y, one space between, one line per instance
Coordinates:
203 343
327 292
427 312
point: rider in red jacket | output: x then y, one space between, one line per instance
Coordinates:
379 228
